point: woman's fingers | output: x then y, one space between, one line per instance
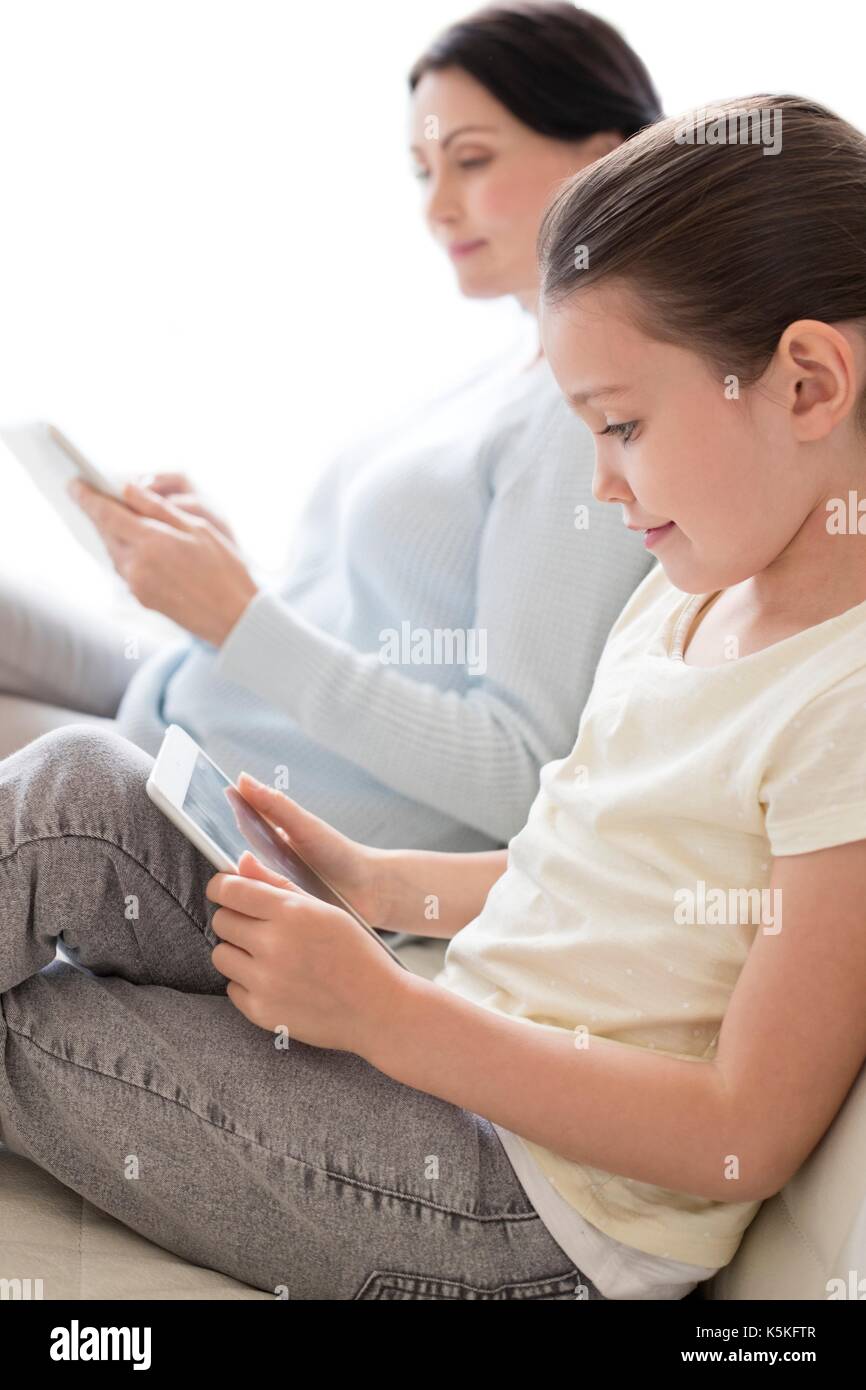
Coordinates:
190 502
178 491
165 484
150 504
110 517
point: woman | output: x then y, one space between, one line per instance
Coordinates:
474 519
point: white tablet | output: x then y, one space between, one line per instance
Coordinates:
52 460
201 801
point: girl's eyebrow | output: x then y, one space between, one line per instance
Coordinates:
416 149
581 397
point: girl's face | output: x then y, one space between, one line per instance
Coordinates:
673 445
486 179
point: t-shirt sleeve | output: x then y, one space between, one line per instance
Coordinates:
814 785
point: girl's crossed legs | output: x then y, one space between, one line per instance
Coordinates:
132 1077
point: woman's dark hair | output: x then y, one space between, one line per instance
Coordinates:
559 70
725 242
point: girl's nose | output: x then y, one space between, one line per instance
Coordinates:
608 484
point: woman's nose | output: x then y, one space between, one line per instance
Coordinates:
441 207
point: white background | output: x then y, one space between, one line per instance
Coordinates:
211 253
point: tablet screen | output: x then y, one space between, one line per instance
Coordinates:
222 813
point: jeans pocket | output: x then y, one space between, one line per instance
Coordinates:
385 1283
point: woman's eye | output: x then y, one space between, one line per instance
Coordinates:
625 430
475 163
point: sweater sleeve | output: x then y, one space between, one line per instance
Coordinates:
546 595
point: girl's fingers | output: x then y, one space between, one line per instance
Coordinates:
252 897
302 827
232 961
250 867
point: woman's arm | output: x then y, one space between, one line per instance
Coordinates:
546 595
734 1128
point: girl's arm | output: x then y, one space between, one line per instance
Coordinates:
734 1128
421 891
433 894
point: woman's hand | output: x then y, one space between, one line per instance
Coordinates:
298 964
179 490
173 562
358 872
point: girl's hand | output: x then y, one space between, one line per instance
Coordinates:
173 562
296 963
358 872
178 489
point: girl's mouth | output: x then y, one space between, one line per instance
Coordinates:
655 534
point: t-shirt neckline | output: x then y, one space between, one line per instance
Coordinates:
692 607
695 604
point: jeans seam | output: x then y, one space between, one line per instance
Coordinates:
105 840
346 1179
398 1279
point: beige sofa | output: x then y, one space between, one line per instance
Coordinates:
813 1231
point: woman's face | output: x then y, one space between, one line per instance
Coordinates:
486 180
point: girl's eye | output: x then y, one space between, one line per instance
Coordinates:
625 430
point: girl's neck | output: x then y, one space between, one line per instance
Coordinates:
819 574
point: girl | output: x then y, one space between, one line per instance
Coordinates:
578 1104
459 518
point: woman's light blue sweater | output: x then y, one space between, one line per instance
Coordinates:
473 518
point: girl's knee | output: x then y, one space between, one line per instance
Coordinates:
79 761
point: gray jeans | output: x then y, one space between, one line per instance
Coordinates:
129 1074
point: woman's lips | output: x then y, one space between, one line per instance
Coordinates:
463 248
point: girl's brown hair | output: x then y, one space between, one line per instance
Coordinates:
724 245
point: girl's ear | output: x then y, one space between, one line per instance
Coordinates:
818 377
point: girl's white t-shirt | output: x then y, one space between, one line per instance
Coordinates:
618 1271
683 785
